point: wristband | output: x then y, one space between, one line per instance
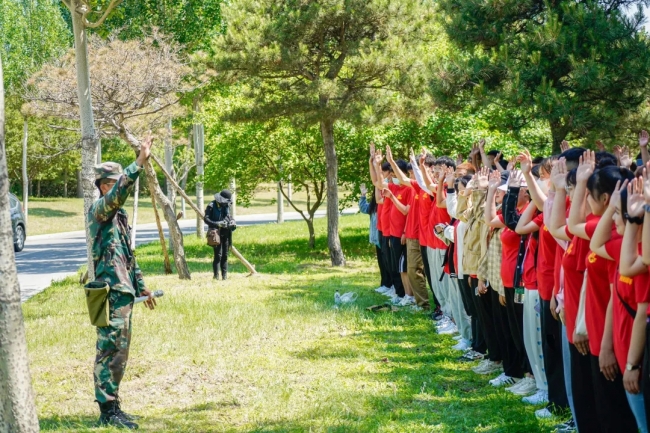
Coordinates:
451 191
633 220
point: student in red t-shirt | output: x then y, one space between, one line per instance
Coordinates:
623 304
645 235
593 190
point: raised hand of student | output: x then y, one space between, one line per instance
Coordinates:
564 146
372 149
441 176
449 177
511 164
495 180
646 183
515 179
615 200
643 138
483 178
626 160
481 145
586 166
600 146
525 162
635 199
558 174
389 154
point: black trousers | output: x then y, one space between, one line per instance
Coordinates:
220 259
553 364
396 252
467 293
384 241
516 325
425 261
582 388
486 323
383 270
512 362
614 413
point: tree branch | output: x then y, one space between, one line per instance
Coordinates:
100 21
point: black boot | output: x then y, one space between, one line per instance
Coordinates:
111 415
216 276
224 273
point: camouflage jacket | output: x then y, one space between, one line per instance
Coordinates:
112 254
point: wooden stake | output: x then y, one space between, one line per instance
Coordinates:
249 266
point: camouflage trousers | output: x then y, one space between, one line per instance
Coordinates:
113 343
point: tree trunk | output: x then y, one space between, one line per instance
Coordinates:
161 234
289 189
38 188
134 221
80 189
169 164
333 241
17 408
89 136
558 133
233 189
25 177
199 145
312 232
280 200
175 233
65 183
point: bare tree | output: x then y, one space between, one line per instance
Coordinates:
17 408
137 86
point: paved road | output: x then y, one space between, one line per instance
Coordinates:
48 258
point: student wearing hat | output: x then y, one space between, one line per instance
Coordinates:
217 216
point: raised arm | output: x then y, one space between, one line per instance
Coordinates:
440 192
557 225
578 212
491 218
645 237
536 194
399 174
631 262
509 207
481 149
603 231
526 225
643 144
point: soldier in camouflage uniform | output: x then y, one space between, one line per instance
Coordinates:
115 265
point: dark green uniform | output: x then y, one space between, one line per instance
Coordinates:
115 264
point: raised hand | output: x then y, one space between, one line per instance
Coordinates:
389 154
511 164
450 177
483 178
459 159
646 183
515 179
145 149
643 138
635 200
363 189
558 174
587 166
372 149
481 145
495 180
626 161
617 152
600 146
525 162
475 151
615 200
441 176
411 154
471 185
564 146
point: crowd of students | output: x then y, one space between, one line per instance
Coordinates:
539 265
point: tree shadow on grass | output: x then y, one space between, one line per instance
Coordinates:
49 213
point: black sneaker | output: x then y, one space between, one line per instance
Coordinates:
567 427
437 314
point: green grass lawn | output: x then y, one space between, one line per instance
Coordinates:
55 215
267 354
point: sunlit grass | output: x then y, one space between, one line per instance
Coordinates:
267 354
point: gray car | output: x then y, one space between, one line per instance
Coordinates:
18 223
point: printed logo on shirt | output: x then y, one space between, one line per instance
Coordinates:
417 196
626 280
545 228
568 250
592 258
399 197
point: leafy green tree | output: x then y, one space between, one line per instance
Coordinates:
319 62
578 65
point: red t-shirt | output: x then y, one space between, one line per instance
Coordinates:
574 266
599 278
509 252
425 211
529 278
545 259
397 218
385 214
626 289
413 217
437 216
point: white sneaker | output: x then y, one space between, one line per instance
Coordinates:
481 365
396 300
516 386
451 329
444 322
406 301
543 413
540 397
382 289
458 337
462 345
390 292
502 380
528 387
416 308
489 368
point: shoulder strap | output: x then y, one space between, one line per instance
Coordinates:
629 309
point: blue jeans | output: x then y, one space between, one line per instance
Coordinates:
566 363
638 409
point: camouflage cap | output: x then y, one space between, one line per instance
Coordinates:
108 170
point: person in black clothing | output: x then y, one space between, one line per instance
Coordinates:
217 216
